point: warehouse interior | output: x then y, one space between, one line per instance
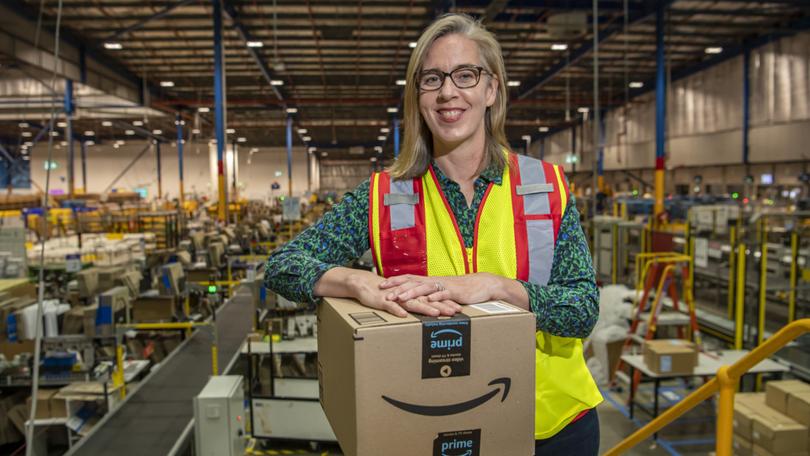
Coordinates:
154 154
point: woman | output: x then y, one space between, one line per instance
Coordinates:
457 220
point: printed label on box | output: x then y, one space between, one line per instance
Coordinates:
493 308
666 363
446 347
458 443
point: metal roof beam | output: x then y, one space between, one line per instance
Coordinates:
160 14
229 10
577 54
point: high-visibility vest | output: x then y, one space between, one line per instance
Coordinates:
412 230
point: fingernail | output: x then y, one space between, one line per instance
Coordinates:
384 283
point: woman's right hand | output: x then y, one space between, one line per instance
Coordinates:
366 286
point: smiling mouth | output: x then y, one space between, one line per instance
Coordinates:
450 115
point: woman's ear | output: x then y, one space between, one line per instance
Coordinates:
492 91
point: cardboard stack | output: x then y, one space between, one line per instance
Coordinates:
775 422
670 356
448 383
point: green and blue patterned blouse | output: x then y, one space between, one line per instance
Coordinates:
567 306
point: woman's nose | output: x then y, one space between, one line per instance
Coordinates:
448 89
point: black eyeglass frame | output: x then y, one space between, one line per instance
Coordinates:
479 71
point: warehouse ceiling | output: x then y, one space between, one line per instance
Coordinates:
339 62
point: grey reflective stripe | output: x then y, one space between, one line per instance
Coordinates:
531 173
534 188
540 234
403 214
390 199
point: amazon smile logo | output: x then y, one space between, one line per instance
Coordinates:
454 409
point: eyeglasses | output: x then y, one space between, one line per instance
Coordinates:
463 78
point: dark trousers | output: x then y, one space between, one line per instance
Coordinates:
580 438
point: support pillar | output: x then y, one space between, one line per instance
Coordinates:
289 155
181 193
159 174
660 108
746 104
396 136
219 109
83 150
71 175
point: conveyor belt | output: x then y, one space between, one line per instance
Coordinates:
153 417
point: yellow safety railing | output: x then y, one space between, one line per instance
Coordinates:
728 377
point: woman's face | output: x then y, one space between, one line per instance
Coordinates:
454 115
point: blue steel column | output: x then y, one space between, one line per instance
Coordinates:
219 108
746 103
600 163
179 125
289 155
159 174
83 149
660 108
71 176
396 136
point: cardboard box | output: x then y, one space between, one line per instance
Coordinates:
759 451
48 406
90 320
12 349
777 392
776 432
798 407
153 309
741 446
670 356
746 407
461 384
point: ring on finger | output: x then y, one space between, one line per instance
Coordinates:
439 286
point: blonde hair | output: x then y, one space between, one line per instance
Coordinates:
417 143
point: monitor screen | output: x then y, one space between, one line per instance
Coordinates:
766 179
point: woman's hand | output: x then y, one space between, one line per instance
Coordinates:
366 289
466 289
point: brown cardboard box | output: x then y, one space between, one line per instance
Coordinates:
12 349
465 383
670 356
48 406
798 407
777 392
746 406
8 430
18 415
73 321
90 320
741 447
759 451
778 433
153 308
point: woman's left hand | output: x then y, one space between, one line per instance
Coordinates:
467 289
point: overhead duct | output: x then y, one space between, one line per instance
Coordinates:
564 26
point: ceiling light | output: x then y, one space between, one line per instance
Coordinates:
382 138
307 138
378 149
89 133
54 133
129 132
276 82
157 132
116 146
120 142
241 139
636 84
89 143
292 110
583 109
26 134
302 131
254 150
230 131
167 83
401 82
543 129
113 45
312 149
559 47
714 50
324 154
138 123
393 110
61 124
63 143
106 123
30 144
384 130
526 138
254 44
412 44
23 124
195 131
373 159
513 83
203 109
